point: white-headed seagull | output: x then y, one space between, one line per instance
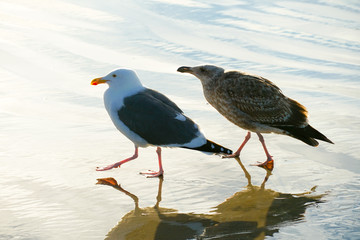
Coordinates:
149 118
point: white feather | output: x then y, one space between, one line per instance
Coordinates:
180 117
124 84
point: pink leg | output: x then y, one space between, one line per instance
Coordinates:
237 153
118 164
161 171
269 163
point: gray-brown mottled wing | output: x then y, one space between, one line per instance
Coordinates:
260 100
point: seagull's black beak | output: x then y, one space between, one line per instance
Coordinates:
184 69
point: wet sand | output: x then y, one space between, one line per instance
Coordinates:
55 130
252 213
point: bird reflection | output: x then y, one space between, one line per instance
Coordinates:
252 213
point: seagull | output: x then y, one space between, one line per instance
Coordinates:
254 104
149 118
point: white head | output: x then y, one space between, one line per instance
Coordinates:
206 73
124 80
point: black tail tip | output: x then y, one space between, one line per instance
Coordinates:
216 148
211 147
312 132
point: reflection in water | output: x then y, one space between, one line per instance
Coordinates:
252 213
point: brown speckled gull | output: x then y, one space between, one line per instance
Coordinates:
255 104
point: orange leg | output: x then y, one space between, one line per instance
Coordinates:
237 153
161 171
269 163
118 164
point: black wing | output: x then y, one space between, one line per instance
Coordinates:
157 119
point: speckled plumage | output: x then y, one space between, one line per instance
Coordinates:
255 104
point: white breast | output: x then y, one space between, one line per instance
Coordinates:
113 102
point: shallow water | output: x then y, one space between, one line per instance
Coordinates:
55 130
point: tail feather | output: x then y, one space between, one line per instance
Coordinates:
212 147
307 134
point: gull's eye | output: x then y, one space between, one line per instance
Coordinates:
202 70
114 75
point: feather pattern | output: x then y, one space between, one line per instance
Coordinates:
254 103
257 98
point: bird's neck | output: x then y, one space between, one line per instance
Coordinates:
209 91
115 96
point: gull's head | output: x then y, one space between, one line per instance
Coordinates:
124 79
206 73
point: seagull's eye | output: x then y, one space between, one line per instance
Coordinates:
114 75
202 70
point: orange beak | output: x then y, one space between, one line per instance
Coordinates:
97 81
